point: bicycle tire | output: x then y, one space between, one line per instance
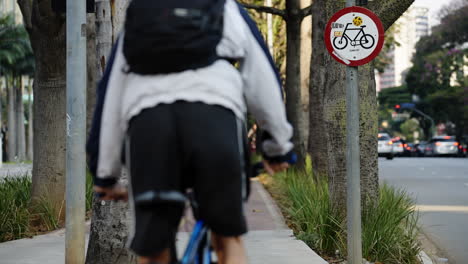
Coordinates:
343 39
366 39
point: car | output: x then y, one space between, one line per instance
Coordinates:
385 147
462 150
420 149
443 146
398 147
410 150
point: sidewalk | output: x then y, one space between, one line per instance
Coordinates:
269 241
15 169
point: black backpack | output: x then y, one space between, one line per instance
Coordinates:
166 36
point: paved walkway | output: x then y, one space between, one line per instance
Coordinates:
15 169
268 242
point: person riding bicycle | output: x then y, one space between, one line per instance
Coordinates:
185 129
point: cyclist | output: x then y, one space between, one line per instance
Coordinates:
185 130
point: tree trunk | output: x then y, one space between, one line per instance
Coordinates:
47 34
306 54
92 69
20 136
270 36
30 121
327 140
293 78
1 122
109 225
11 135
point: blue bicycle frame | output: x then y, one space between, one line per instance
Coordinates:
198 250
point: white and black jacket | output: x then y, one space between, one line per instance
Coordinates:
255 87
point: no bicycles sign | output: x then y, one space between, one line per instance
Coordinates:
354 36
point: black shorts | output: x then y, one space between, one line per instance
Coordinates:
187 145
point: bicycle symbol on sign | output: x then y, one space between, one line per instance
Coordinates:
367 41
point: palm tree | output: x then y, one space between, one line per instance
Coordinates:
15 60
14 41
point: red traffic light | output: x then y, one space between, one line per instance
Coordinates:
397 106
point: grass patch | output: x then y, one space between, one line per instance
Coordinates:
389 230
17 221
14 215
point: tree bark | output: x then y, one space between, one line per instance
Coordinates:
109 224
47 34
306 54
20 130
293 78
92 69
327 140
11 134
2 140
30 155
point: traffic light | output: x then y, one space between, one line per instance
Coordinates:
397 108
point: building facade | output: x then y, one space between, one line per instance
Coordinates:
410 27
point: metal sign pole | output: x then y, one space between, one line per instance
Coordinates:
76 132
353 164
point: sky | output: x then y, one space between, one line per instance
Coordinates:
434 7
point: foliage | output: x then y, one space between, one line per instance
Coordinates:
16 220
89 192
15 48
389 227
390 97
279 30
384 58
438 75
408 128
14 215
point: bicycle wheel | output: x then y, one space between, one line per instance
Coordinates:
341 44
367 41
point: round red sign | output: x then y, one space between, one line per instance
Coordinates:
354 36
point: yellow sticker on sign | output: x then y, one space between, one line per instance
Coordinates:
338 33
357 21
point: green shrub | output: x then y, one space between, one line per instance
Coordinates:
14 216
389 228
16 219
89 192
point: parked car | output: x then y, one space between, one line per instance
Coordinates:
443 146
420 149
398 147
385 147
462 150
410 150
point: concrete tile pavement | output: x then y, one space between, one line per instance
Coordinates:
269 241
15 169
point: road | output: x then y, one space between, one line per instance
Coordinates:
440 187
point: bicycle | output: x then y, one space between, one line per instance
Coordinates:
199 249
367 41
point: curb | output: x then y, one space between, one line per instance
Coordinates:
425 259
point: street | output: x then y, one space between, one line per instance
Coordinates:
440 188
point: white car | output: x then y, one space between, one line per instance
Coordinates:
443 146
385 147
398 147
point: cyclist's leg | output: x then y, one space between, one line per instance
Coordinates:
152 152
230 250
213 137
